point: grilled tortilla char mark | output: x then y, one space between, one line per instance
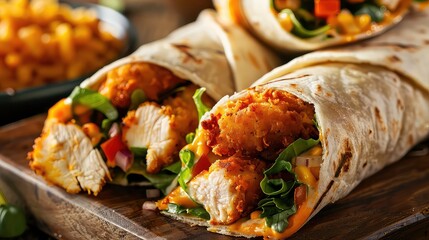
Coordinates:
152 79
260 124
162 129
229 189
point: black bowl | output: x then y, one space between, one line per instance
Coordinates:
30 101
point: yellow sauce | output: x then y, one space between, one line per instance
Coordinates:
257 226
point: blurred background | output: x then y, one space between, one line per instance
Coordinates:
149 20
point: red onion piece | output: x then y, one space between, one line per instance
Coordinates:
114 130
124 159
149 205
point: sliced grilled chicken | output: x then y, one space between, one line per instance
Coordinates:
64 156
229 189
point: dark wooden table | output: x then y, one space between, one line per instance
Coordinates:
393 204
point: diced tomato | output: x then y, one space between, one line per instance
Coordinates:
300 194
202 164
111 147
326 8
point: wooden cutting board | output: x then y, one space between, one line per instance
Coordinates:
393 204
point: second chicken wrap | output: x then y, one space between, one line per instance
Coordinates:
129 120
267 159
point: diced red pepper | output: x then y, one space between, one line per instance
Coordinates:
202 164
300 194
326 8
111 147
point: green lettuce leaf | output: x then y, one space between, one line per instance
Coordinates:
201 107
279 203
187 158
94 100
162 180
300 30
197 211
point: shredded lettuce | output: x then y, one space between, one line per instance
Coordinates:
197 211
300 30
94 100
201 107
187 157
162 180
279 203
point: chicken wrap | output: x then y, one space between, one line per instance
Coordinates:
305 25
267 159
128 121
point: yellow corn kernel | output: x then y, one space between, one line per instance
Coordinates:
93 132
65 40
7 30
24 73
31 36
363 21
13 60
316 151
255 214
82 34
305 176
285 22
347 23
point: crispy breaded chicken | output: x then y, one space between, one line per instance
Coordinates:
260 124
162 129
229 189
152 79
64 156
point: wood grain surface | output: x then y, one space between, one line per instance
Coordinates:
393 204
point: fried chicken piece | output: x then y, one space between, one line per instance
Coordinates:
64 156
152 79
260 124
229 189
162 129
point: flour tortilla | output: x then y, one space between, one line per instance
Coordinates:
219 56
258 17
371 102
